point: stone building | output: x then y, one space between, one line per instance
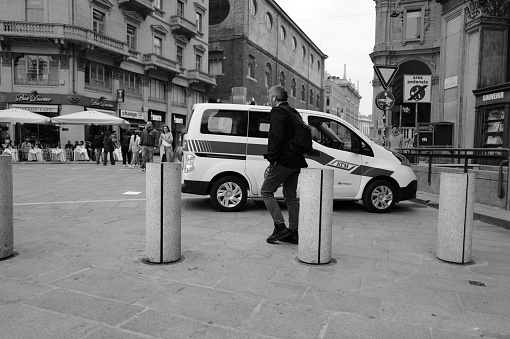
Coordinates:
365 124
253 45
407 35
142 60
342 98
463 46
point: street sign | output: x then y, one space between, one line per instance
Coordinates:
417 88
384 100
385 73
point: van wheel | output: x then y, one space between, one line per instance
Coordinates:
228 194
379 196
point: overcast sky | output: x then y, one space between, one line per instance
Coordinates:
344 30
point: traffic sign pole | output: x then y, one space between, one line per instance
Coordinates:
416 127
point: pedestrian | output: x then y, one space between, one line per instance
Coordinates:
178 152
148 141
165 145
26 146
108 147
124 147
134 147
284 167
395 140
98 146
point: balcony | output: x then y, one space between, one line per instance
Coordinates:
181 26
195 75
143 7
157 62
58 33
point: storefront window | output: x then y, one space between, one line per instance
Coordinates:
35 11
39 70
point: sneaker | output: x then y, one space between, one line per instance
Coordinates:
123 165
143 169
278 233
130 166
291 238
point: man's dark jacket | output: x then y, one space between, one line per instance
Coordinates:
281 131
149 138
98 141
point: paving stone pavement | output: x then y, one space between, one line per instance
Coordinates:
78 272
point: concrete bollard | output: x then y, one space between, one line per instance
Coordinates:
163 212
315 215
6 207
455 221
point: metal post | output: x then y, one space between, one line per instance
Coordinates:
508 183
416 128
400 118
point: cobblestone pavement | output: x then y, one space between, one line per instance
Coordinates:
78 273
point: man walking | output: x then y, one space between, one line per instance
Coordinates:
284 167
395 140
148 141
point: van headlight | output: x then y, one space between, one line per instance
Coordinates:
403 160
189 163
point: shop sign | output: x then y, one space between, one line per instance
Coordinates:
100 103
493 96
178 120
74 99
31 98
155 117
131 114
37 108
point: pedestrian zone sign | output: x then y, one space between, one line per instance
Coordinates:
385 73
417 88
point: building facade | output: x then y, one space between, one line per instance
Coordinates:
408 34
342 98
253 45
463 46
141 60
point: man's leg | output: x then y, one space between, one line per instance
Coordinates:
275 176
105 156
112 159
144 157
151 154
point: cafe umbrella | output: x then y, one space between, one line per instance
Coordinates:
17 115
89 118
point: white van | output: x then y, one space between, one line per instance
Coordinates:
225 143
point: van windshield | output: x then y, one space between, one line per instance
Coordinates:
330 133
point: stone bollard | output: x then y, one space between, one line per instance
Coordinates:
315 215
6 207
455 221
163 212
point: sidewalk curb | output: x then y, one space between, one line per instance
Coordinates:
476 216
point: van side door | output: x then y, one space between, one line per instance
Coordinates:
336 142
258 133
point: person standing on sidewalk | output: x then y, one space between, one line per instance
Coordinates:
395 140
165 145
134 147
98 146
148 141
124 147
109 147
284 167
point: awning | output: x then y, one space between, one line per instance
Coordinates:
106 111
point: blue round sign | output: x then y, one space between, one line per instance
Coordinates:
385 100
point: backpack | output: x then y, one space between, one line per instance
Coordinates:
301 143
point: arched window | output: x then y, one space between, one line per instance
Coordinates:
251 66
269 21
317 101
303 93
282 33
293 88
253 7
303 52
311 59
282 79
268 76
311 97
318 65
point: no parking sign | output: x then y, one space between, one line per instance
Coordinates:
417 88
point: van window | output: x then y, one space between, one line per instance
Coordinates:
259 125
224 122
330 133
